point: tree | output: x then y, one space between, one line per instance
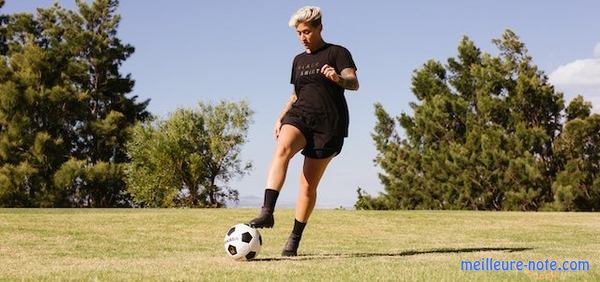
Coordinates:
482 135
578 108
577 185
64 111
32 145
188 159
104 128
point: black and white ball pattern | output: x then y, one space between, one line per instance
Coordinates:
242 242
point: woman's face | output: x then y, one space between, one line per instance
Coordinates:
310 37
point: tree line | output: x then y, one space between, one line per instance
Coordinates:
72 135
485 133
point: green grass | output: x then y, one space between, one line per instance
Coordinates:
187 244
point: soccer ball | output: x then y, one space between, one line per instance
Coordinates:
242 242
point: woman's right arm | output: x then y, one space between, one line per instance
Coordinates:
286 108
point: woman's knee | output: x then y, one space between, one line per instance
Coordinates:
289 142
284 151
308 189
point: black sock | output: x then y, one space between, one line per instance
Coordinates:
298 227
270 200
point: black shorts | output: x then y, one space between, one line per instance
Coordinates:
319 145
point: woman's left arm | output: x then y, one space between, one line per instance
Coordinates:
347 79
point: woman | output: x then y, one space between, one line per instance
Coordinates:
314 120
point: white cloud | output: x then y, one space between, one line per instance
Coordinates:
597 50
578 73
580 77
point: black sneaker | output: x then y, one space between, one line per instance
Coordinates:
264 220
291 247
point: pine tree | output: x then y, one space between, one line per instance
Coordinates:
109 113
64 111
577 185
34 102
480 136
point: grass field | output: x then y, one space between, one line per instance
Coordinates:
341 245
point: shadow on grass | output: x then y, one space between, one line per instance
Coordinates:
398 254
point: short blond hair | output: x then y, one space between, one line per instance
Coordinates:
306 14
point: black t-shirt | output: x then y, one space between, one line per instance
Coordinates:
320 99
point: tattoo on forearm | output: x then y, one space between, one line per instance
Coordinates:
350 83
348 79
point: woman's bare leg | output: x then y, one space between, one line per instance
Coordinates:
312 172
289 142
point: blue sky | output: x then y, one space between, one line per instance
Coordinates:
188 51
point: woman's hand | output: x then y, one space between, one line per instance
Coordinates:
330 73
347 79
